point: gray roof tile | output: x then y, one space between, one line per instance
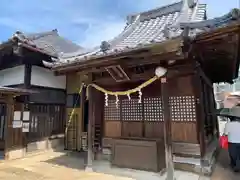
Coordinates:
156 26
50 42
149 26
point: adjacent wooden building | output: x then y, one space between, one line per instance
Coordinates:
10 138
22 66
174 114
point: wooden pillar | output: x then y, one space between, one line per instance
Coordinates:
196 83
167 128
27 85
90 133
8 125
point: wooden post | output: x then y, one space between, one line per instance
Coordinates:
27 85
89 133
196 82
167 129
8 125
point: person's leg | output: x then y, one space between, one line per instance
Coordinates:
238 156
232 154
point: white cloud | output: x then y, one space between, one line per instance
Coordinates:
101 32
85 22
108 28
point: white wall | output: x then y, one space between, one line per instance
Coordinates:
39 77
12 76
46 78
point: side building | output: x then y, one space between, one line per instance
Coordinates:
22 66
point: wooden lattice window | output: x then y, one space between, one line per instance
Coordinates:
132 110
183 108
111 112
153 109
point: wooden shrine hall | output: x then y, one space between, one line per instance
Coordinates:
150 89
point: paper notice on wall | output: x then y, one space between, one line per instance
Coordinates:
25 127
17 124
26 116
17 115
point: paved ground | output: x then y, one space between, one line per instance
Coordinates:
49 166
62 166
222 170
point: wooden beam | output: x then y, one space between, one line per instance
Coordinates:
146 75
169 47
167 128
236 55
130 61
221 32
133 77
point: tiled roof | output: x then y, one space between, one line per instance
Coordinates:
148 27
50 42
211 24
156 26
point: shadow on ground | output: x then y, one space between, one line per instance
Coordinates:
73 160
77 160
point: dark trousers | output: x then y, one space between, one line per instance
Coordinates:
234 154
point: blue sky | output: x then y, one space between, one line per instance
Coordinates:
86 22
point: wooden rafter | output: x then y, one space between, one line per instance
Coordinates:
117 73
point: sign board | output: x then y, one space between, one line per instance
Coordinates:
26 116
17 124
25 127
17 116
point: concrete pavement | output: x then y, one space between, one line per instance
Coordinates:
222 170
62 166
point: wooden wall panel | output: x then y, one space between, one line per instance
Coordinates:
132 129
184 132
145 120
181 86
73 141
16 133
112 129
154 129
74 82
